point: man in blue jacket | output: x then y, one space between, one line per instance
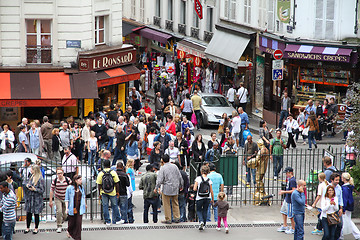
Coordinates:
164 138
298 207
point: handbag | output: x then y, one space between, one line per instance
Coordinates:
333 219
221 129
193 119
305 132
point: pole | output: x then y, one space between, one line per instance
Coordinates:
276 107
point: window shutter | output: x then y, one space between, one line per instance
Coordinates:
249 11
226 8
330 15
245 11
233 10
262 13
270 15
319 19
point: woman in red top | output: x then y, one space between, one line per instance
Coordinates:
170 125
147 108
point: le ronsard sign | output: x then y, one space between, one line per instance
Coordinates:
100 61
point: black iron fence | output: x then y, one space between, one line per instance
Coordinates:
306 164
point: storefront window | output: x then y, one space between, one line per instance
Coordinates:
38 41
100 30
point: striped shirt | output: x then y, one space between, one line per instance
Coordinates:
59 188
8 204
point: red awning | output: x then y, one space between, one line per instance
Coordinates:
41 89
117 75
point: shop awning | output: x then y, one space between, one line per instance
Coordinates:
155 35
191 48
47 85
318 53
117 75
226 48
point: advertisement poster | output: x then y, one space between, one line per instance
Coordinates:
283 10
9 114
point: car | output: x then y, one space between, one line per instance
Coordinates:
213 106
50 170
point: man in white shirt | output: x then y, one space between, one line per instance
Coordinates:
292 127
231 95
69 164
142 130
236 126
173 153
242 94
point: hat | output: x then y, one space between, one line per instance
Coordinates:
288 169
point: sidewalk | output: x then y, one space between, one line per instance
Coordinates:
255 125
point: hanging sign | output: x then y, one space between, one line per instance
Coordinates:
198 8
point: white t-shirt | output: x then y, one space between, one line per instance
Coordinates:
92 143
236 124
142 129
151 138
320 191
173 154
199 180
242 95
231 94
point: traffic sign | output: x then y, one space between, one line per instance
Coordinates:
278 54
277 74
198 8
278 64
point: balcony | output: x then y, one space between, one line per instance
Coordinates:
169 25
208 36
38 54
157 21
182 28
194 32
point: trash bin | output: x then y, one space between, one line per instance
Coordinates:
194 168
228 168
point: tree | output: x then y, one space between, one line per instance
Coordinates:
353 122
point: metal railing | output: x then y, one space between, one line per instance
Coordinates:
38 54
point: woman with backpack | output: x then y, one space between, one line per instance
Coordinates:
348 200
204 195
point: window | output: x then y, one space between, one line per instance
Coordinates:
133 9
247 11
226 8
99 30
38 41
158 8
324 19
183 12
209 22
270 15
142 11
230 9
170 9
262 13
195 20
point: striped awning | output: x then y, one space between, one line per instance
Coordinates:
47 85
318 50
117 75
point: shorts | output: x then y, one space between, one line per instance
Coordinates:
290 213
284 208
236 136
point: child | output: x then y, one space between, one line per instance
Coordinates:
223 207
191 204
131 172
93 148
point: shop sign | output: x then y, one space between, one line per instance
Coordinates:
317 57
105 61
180 54
190 50
197 61
283 10
198 8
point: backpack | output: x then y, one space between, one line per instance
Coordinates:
204 188
66 179
338 172
108 182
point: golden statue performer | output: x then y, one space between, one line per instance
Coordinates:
260 163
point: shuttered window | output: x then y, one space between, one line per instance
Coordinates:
324 19
247 11
262 14
270 15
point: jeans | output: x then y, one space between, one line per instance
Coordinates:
115 210
283 115
119 154
123 205
249 172
8 230
182 207
299 226
338 228
311 138
215 209
153 202
278 164
202 206
329 231
197 114
110 144
130 214
91 157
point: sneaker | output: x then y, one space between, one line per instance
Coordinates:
304 143
275 178
282 229
227 230
201 227
218 229
317 232
120 222
108 224
315 145
290 231
58 230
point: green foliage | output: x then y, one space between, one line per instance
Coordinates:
353 122
355 174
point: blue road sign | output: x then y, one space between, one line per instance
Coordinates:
277 74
